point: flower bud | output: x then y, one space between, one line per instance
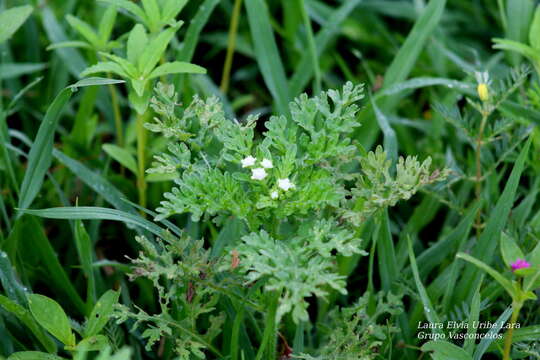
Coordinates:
483 91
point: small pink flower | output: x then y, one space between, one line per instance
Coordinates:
520 264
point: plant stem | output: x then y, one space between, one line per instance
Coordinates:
141 152
269 335
117 116
231 45
478 182
312 48
510 331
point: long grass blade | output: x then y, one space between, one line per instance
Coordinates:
267 53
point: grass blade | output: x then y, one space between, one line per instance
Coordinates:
96 182
194 30
385 252
491 334
40 155
330 29
267 53
12 19
97 213
429 311
485 247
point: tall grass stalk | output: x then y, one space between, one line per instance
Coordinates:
516 307
478 179
231 45
141 152
311 46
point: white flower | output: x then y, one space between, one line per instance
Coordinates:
285 184
274 194
258 174
267 164
248 161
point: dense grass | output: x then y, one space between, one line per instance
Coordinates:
338 250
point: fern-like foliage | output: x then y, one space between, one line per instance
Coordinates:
356 333
301 188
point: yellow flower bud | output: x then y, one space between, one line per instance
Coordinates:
483 91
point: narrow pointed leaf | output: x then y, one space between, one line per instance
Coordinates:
12 19
177 67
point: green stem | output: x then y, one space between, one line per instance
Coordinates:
231 45
478 179
510 331
269 335
117 116
141 152
312 47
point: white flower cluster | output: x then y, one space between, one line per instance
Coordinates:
259 173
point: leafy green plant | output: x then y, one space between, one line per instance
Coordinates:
531 50
139 68
520 290
50 315
274 186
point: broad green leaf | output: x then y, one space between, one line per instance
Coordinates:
155 49
137 42
26 318
93 343
40 155
101 313
267 53
510 251
446 350
12 19
171 8
106 24
177 67
504 282
429 310
14 70
121 155
33 355
90 212
84 29
52 317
